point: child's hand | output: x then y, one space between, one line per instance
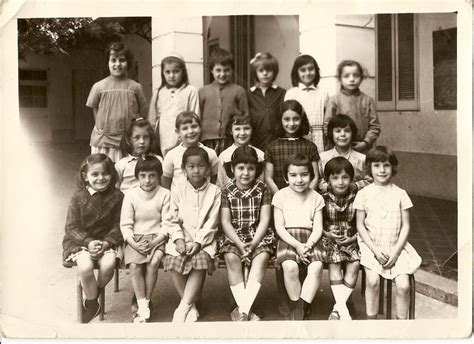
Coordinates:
343 240
333 236
381 257
180 246
391 261
191 251
302 249
243 248
360 146
94 247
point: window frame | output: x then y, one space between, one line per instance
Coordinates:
397 104
33 82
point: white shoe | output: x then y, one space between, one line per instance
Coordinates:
144 313
179 315
137 319
193 314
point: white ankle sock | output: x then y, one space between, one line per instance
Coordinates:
346 292
251 291
338 296
238 291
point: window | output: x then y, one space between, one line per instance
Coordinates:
33 89
397 62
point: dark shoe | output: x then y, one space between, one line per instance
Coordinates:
91 308
257 311
298 313
150 306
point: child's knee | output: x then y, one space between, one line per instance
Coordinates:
135 268
290 268
315 268
403 286
372 281
154 263
232 260
85 266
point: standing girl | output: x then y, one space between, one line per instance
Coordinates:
292 126
143 211
383 224
340 234
305 78
265 99
116 100
245 217
92 228
341 130
297 211
357 105
195 216
139 141
174 96
239 132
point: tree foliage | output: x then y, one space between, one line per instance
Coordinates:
45 36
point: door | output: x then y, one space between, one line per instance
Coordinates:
82 81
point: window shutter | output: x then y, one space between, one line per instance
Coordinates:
384 58
406 57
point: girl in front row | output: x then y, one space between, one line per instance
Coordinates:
143 211
340 234
92 228
383 224
245 217
139 141
174 96
292 126
299 224
194 219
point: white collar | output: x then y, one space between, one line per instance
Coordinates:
91 190
253 88
302 86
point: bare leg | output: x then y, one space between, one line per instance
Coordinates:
259 267
179 282
193 286
291 279
138 280
403 296
152 273
233 264
372 292
312 281
352 272
85 267
106 269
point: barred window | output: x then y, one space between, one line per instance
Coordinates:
33 88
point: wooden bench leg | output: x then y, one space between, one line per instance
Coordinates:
381 294
411 312
389 299
79 300
116 279
102 304
362 283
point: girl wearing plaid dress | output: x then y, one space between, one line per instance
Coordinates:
292 126
383 224
340 234
245 217
305 78
92 228
194 218
297 211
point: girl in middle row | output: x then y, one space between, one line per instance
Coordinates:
293 125
174 96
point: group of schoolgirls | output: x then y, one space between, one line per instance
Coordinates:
246 175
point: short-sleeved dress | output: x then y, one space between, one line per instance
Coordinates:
125 168
118 101
298 213
244 206
339 218
278 152
383 207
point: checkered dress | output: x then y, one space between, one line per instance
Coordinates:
278 152
288 252
339 218
245 208
184 264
